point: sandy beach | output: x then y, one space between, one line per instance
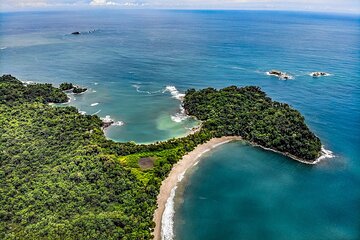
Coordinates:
177 172
189 160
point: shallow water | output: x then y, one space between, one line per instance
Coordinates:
133 55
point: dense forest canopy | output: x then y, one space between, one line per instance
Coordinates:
62 179
249 113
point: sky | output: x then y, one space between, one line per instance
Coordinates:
343 6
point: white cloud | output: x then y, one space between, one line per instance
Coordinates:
24 3
111 3
101 3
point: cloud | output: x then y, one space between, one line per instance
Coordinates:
117 3
101 3
24 3
296 5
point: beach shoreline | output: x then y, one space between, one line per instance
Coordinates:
169 184
176 174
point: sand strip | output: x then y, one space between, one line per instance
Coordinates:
177 172
191 159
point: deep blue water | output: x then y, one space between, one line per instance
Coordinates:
237 191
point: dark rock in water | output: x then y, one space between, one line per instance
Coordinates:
107 124
75 33
275 72
319 74
79 90
279 74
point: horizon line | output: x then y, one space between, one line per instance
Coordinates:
82 8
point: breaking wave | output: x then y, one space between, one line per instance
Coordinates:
96 112
181 115
167 221
177 117
324 74
325 154
118 123
108 119
137 87
174 92
94 104
282 76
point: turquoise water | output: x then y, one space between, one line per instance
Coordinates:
241 192
132 56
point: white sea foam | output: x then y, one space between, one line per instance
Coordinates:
181 176
82 112
118 123
96 112
69 98
174 92
167 221
180 116
177 117
94 104
221 143
3 48
325 154
94 91
238 68
108 119
137 87
200 154
96 83
283 76
326 74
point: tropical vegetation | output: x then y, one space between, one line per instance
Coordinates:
61 178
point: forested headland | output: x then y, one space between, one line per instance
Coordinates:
249 113
62 179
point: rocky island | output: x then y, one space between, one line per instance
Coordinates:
69 86
319 74
63 179
279 74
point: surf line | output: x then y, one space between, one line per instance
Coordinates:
164 214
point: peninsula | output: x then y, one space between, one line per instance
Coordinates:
63 179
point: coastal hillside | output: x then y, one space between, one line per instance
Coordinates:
249 113
62 179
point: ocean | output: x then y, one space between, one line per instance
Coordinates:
136 65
